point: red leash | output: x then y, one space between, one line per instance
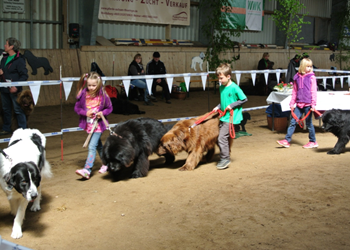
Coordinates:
300 122
232 128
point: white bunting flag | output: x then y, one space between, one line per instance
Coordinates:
266 74
35 89
67 88
187 81
278 74
333 81
204 80
238 78
253 77
149 82
170 83
341 81
126 86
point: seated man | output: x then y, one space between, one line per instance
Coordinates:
156 67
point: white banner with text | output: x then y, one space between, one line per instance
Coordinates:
175 12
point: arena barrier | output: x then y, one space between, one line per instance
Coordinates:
66 84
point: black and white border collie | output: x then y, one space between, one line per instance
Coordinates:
22 165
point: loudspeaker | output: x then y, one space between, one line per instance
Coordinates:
74 30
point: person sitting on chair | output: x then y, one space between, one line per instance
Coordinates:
157 67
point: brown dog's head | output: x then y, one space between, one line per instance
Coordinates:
26 101
170 143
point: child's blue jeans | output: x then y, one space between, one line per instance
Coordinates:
298 112
95 144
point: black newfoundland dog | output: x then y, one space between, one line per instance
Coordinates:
337 122
131 143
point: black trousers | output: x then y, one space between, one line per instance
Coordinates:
164 86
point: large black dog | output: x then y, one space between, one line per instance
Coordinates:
132 142
337 122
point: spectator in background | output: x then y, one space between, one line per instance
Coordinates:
12 69
264 63
136 68
291 71
157 67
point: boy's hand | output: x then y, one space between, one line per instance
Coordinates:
215 109
228 107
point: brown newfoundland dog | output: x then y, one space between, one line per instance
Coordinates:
26 102
195 141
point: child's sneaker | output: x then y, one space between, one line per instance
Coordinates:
103 169
223 163
284 143
84 173
311 144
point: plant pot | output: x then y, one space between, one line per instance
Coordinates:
178 95
280 123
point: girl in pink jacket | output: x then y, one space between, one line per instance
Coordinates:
303 100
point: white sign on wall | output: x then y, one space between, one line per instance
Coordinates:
16 6
146 11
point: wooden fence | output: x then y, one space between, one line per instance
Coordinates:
75 62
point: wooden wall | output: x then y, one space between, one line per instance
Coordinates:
75 62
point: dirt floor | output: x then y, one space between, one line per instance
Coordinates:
269 198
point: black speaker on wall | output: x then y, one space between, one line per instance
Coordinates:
74 30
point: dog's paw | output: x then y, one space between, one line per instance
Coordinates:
333 152
16 232
35 207
136 174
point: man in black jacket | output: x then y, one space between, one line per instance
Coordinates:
12 69
156 67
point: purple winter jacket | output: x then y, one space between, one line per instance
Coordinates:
80 108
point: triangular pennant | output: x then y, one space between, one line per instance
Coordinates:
149 82
67 88
35 89
341 81
238 78
187 81
204 80
333 81
126 86
266 74
170 83
278 74
253 78
324 82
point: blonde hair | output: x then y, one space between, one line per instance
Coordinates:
224 69
265 54
303 64
138 56
90 76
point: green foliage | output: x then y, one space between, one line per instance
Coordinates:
215 30
342 20
287 19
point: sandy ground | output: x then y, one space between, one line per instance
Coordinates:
269 198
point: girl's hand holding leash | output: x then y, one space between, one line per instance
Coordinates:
99 115
90 113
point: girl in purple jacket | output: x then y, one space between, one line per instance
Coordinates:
303 100
92 101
